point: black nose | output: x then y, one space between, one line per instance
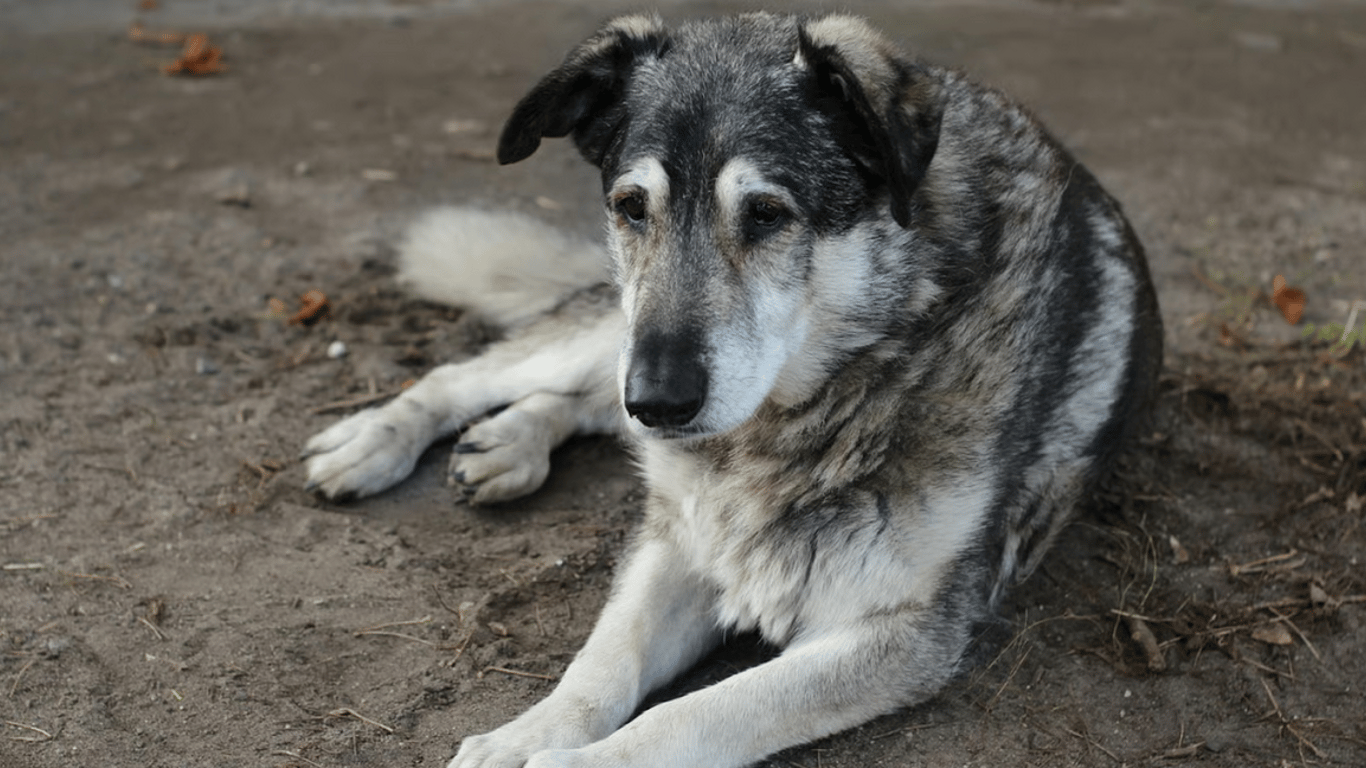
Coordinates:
666 384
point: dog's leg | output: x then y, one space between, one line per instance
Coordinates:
573 357
820 685
657 622
508 455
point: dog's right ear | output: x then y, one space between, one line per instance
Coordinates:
584 94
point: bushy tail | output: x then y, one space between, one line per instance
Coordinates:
505 267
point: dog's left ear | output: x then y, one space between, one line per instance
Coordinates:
889 107
584 94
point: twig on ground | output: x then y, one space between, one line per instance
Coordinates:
1286 619
45 735
516 673
1287 724
1257 566
460 649
1086 738
905 729
1190 750
408 623
345 711
1015 668
352 402
14 686
442 601
155 630
1140 633
1269 670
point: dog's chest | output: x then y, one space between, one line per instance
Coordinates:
722 534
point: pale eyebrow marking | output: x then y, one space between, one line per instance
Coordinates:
648 174
741 179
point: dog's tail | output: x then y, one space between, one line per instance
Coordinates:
506 267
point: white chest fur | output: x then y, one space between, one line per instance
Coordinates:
827 565
722 534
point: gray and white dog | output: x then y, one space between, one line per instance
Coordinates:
872 333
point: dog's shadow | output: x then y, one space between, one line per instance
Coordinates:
736 654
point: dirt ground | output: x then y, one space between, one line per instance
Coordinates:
171 597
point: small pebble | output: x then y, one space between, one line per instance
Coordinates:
233 187
205 367
336 350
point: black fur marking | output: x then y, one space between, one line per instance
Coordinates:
582 96
894 142
884 513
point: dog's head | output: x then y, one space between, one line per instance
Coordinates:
746 164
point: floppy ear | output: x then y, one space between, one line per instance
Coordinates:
888 107
583 95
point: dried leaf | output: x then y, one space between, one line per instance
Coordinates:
1289 300
314 307
198 58
1273 634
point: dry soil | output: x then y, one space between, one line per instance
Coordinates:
171 597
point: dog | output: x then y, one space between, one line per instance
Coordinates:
872 333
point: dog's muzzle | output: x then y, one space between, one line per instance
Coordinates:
666 384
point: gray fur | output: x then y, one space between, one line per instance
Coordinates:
878 335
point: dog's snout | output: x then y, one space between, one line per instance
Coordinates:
666 384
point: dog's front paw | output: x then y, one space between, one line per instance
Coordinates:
364 453
503 458
547 735
501 749
491 750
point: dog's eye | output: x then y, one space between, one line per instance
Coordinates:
766 213
632 207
